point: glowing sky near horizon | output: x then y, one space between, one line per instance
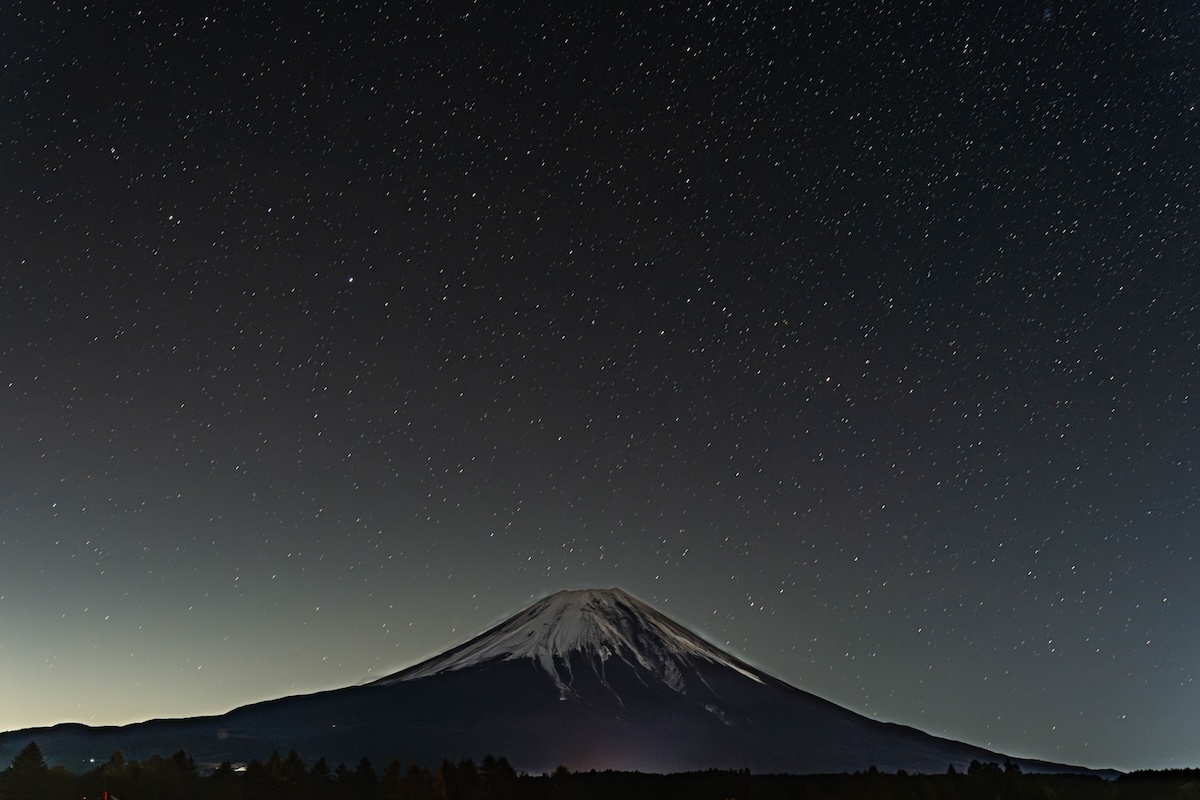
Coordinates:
862 340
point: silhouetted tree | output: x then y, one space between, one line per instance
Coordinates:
256 780
990 770
293 771
438 782
417 784
343 780
467 781
274 766
29 762
499 778
184 765
320 772
389 784
116 766
365 774
225 783
561 785
28 777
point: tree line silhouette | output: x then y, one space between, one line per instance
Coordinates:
290 777
277 778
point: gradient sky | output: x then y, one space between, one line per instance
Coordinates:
861 339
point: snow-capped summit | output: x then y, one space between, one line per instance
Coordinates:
600 624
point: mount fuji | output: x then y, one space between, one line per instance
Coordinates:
587 678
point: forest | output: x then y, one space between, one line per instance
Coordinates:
291 777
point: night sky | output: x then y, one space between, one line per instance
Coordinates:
863 340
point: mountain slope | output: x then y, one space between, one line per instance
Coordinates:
590 679
597 624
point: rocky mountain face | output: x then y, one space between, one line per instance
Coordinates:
588 678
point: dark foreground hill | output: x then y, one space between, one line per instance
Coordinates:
591 679
493 779
293 778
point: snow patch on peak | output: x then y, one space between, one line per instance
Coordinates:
601 624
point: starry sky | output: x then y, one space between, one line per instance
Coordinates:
861 339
